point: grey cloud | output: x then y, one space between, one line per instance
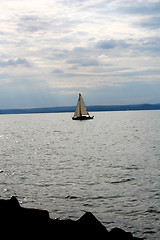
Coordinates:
151 23
77 56
53 23
57 71
88 56
83 4
74 74
84 56
15 62
147 72
143 8
80 50
142 46
58 54
107 44
84 62
151 45
32 24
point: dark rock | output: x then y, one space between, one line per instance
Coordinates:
121 234
28 223
91 226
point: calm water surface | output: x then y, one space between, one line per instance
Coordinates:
109 166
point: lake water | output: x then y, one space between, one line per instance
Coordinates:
109 166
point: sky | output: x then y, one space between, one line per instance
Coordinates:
50 50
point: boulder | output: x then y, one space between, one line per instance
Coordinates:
29 223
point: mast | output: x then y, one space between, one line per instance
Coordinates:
80 104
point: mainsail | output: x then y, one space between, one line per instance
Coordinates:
81 112
80 108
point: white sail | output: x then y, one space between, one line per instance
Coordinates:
77 112
83 107
80 108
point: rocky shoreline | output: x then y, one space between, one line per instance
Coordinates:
17 222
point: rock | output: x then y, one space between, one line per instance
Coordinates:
28 223
15 219
117 233
92 227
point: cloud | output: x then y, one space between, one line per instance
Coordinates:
144 14
107 44
77 45
57 71
150 23
15 63
83 62
32 24
149 45
140 8
133 73
91 54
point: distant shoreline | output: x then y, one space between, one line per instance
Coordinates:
96 108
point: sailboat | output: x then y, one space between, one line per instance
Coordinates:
81 112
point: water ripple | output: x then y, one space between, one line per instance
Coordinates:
109 166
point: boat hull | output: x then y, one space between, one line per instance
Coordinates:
83 118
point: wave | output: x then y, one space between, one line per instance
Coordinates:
151 210
71 197
123 181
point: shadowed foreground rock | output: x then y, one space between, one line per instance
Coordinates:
17 222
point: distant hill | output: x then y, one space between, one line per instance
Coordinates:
125 107
90 109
